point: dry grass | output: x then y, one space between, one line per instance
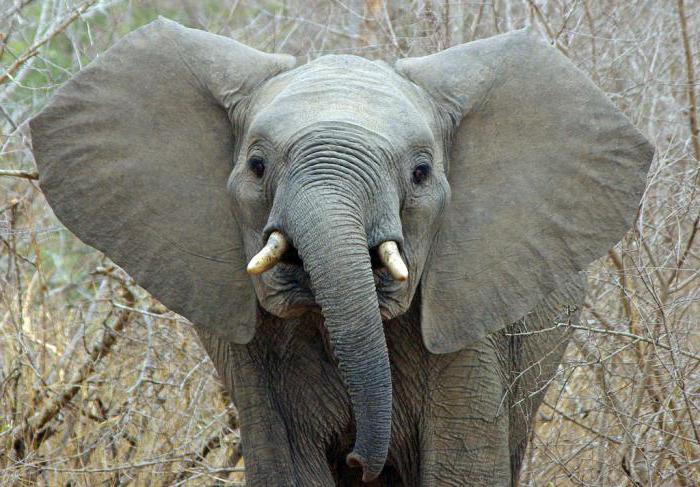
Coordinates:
99 384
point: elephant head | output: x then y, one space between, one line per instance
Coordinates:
484 176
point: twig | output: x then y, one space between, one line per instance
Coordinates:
594 52
553 37
30 427
160 316
32 175
634 337
475 22
6 115
18 8
34 48
688 247
609 332
128 466
690 72
573 420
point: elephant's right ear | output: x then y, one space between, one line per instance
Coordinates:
134 154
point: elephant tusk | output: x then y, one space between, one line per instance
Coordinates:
391 258
270 254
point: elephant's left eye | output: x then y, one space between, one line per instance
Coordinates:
421 172
257 165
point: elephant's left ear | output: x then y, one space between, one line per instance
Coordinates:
546 175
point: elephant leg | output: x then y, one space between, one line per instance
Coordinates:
464 435
534 360
263 435
271 455
534 368
310 464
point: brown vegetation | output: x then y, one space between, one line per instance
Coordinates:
101 385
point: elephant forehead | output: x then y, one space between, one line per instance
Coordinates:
349 75
343 89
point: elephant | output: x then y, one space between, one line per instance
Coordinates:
375 256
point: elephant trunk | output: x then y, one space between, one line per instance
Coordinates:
329 234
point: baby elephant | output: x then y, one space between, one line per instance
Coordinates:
363 248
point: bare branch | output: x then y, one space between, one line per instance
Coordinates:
32 175
33 50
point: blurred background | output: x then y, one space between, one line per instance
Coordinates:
100 385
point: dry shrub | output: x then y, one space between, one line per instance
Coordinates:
100 384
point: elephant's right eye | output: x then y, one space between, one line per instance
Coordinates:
257 165
421 172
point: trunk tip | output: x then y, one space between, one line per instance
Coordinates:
355 460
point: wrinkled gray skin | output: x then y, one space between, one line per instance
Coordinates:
431 381
458 419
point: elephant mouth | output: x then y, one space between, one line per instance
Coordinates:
291 258
289 293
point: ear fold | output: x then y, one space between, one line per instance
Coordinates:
546 175
134 155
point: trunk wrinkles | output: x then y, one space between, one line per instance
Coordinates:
328 230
